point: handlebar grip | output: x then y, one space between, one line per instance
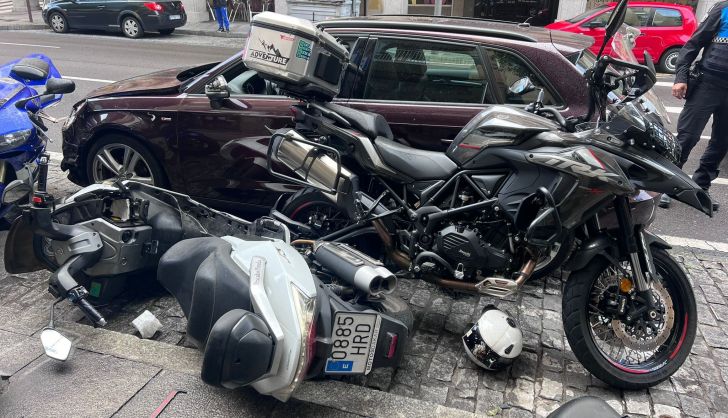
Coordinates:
42 177
91 313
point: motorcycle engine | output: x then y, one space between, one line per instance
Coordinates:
460 244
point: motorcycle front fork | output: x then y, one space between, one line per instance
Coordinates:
633 243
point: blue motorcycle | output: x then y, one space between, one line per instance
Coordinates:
24 93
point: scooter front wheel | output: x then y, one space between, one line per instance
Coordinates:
628 350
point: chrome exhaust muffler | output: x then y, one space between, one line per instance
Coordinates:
355 268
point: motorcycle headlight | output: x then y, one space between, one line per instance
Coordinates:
306 315
14 139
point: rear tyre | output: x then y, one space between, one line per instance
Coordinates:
166 31
58 22
649 356
313 208
668 61
131 27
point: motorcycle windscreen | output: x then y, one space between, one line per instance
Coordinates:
19 249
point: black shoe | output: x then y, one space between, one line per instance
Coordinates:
227 30
665 201
221 30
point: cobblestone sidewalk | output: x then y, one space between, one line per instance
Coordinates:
546 374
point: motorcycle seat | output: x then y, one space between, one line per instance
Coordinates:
32 69
415 163
370 124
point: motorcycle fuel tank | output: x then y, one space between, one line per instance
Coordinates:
497 126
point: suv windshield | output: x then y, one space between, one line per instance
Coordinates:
586 14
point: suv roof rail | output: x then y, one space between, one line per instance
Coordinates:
434 27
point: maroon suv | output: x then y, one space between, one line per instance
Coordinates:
427 76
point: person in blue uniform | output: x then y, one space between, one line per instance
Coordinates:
705 91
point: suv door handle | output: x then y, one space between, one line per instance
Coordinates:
101 7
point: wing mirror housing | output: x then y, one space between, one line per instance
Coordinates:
521 87
217 90
59 86
15 192
55 345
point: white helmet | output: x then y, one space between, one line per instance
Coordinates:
494 341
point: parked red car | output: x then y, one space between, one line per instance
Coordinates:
665 29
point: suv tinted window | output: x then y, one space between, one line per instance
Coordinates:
667 18
509 68
425 71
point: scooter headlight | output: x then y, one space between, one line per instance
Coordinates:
14 139
306 315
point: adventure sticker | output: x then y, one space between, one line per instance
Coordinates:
304 50
269 53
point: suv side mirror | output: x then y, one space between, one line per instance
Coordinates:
521 87
217 90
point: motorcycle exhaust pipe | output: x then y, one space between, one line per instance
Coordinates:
355 268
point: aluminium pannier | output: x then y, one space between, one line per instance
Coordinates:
302 59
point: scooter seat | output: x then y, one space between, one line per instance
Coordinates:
415 163
206 282
32 69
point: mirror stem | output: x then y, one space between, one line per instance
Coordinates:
53 308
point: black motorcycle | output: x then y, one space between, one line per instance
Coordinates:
519 193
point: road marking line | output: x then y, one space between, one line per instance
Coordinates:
94 80
696 243
674 109
664 84
720 180
33 45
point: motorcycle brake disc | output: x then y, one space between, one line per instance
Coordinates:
639 339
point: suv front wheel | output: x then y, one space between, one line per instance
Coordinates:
120 157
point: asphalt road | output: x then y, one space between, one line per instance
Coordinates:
92 60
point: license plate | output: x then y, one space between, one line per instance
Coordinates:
354 343
175 17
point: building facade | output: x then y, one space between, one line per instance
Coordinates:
536 12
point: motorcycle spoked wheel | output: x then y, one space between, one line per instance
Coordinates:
640 360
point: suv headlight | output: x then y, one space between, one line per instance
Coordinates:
74 113
14 139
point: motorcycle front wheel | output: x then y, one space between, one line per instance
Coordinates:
633 354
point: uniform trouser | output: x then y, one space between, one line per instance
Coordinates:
707 99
